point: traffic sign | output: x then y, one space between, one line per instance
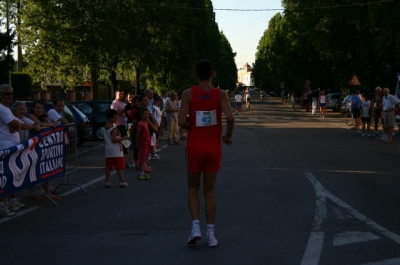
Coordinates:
354 81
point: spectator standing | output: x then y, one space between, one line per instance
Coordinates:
119 106
36 111
366 115
378 109
157 118
283 96
355 108
171 109
163 124
114 156
322 101
149 93
128 109
204 105
238 100
389 103
143 140
55 114
248 97
19 111
262 94
9 136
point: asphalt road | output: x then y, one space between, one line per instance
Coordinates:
294 189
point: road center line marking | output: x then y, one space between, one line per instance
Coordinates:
315 243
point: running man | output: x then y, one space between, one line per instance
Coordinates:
204 105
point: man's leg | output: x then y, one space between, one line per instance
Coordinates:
211 206
169 131
193 180
209 195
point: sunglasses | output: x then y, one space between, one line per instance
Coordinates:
8 93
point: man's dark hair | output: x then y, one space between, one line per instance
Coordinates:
111 113
58 100
203 70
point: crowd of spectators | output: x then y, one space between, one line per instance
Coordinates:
136 116
145 119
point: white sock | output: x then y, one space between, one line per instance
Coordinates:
196 223
210 229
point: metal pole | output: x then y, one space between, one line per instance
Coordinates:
8 44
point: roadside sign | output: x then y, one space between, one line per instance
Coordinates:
354 81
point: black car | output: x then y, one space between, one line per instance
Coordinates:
73 115
95 110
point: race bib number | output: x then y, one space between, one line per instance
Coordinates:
206 118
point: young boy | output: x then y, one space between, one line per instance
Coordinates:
366 114
114 152
143 142
238 100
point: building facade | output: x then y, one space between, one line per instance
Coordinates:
244 75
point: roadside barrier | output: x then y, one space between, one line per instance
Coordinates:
50 154
71 156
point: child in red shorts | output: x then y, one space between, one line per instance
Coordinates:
114 153
143 141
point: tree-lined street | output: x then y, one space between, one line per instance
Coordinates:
293 189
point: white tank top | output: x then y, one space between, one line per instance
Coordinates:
365 105
112 149
322 99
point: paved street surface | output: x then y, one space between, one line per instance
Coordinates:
294 189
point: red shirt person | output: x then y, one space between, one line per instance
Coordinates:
204 104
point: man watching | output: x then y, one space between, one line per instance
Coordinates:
55 114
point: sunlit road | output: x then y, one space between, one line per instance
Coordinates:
294 189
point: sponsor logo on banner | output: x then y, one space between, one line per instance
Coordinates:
33 161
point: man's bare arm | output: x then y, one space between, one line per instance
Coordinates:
184 110
230 120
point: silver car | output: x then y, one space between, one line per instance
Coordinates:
346 104
332 99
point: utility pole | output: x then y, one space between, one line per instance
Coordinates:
8 44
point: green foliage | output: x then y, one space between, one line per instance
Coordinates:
151 43
329 45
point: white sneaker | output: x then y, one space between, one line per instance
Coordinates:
212 241
130 165
4 211
157 150
195 235
155 157
16 203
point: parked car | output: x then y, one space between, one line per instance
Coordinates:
83 124
95 110
346 104
333 98
73 115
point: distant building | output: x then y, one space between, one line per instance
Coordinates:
244 75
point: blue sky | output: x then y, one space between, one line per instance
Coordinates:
244 29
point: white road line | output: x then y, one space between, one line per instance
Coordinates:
315 243
87 184
316 240
18 214
314 249
394 261
351 237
